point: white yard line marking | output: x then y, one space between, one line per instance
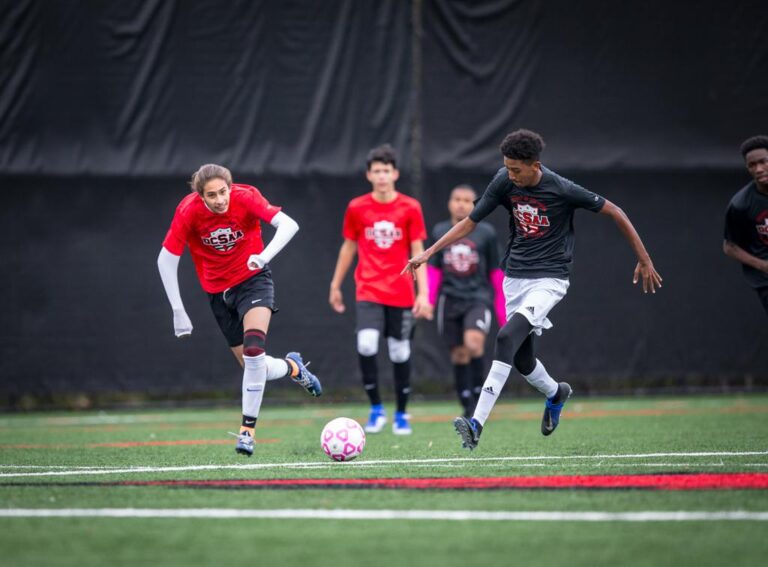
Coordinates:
429 515
358 464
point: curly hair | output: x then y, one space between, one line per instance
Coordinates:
385 154
523 145
206 173
753 143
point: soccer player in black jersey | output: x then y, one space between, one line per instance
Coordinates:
465 284
746 219
541 205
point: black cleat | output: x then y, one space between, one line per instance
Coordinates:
469 430
552 408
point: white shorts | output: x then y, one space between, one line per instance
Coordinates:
534 299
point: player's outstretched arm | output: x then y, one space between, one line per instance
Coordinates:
347 254
286 229
736 252
457 232
168 265
644 270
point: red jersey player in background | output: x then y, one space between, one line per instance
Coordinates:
221 223
384 228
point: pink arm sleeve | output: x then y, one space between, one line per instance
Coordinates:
434 279
499 302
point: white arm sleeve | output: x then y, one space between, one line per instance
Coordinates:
168 264
286 229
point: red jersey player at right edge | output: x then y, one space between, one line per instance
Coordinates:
541 205
383 227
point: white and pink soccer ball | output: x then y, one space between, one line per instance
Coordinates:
342 439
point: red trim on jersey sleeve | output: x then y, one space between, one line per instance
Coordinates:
178 234
351 229
416 228
263 208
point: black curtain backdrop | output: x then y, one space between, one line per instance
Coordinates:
107 107
156 87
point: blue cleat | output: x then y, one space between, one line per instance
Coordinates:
305 378
376 420
552 408
469 430
401 424
244 443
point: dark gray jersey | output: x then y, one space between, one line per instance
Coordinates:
746 225
541 235
466 264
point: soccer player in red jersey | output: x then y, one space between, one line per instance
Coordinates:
383 228
220 222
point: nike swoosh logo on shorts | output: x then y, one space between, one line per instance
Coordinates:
255 301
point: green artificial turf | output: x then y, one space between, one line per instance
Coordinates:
73 460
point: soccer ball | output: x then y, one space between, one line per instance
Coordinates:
342 439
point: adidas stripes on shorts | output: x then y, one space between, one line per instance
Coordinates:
534 299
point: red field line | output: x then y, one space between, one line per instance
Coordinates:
125 444
703 481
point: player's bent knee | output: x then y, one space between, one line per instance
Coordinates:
474 345
460 355
506 335
254 342
399 349
524 364
368 342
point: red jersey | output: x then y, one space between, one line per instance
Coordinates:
384 233
220 244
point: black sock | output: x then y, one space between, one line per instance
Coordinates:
511 337
557 396
477 376
370 378
402 383
248 421
463 390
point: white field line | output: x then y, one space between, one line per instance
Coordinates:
342 514
357 464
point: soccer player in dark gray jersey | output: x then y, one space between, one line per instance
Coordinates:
540 221
465 284
540 250
746 219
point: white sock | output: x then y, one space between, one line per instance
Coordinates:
254 379
277 368
541 380
497 377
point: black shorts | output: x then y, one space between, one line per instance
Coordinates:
395 322
230 306
454 316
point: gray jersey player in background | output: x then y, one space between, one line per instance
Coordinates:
465 283
746 220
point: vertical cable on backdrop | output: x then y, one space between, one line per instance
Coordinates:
417 32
